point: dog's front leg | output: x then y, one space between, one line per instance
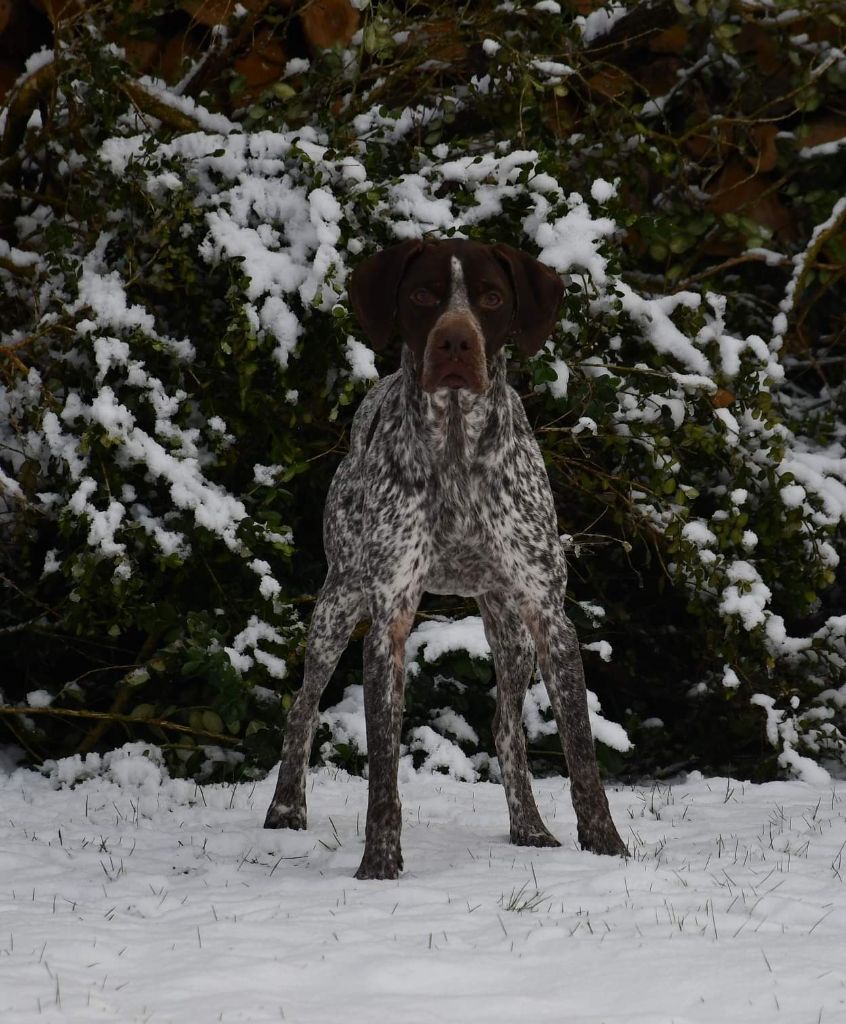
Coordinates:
336 613
561 666
384 687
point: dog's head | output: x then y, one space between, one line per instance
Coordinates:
455 303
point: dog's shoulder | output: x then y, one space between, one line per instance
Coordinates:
365 419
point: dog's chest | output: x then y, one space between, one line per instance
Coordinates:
470 512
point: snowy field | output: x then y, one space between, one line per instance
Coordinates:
134 897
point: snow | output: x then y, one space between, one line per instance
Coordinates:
599 23
602 648
800 262
266 475
431 640
434 638
346 721
603 190
212 507
698 533
749 540
39 699
290 210
186 105
552 71
52 563
558 387
822 149
10 486
257 631
747 596
792 496
730 678
105 293
135 897
361 360
781 726
572 240
448 720
18 257
296 66
653 315
441 754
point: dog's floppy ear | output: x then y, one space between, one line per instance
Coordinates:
373 289
537 293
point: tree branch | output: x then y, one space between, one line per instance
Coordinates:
162 723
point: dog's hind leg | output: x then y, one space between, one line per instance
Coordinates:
514 660
384 686
339 607
561 666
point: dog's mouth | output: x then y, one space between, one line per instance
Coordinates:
454 379
454 375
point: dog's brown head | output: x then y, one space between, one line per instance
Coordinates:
455 303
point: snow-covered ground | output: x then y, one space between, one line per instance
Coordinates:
134 897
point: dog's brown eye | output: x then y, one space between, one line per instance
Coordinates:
423 297
490 300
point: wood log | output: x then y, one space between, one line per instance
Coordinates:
763 138
218 12
828 128
672 40
737 190
722 398
610 82
7 9
584 6
762 43
143 54
157 107
24 100
635 29
56 10
178 51
263 64
440 39
658 76
8 76
327 22
222 58
22 32
209 12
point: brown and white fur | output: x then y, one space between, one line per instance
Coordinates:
444 490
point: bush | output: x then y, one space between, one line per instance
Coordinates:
180 369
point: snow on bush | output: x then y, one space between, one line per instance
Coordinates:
186 352
446 741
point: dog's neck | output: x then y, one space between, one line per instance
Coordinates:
456 420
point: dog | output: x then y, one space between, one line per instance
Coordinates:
444 490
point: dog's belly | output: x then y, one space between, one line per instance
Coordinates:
464 573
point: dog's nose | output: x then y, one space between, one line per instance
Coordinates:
453 344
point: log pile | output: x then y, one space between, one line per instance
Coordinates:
239 50
255 38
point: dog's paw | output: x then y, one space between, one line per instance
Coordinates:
533 837
283 816
604 840
381 866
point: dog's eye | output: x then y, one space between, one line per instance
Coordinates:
423 297
490 300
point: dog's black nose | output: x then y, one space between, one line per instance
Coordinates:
454 344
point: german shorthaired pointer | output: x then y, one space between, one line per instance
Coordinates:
444 490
